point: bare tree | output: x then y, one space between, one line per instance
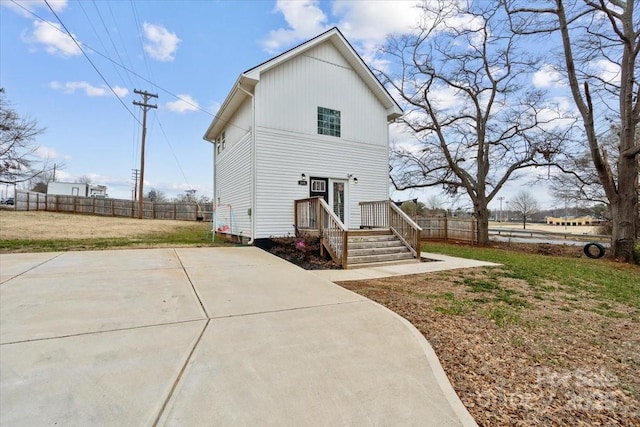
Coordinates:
600 42
460 77
434 202
413 208
158 196
84 179
18 160
524 205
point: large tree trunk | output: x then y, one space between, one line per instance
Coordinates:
623 209
482 215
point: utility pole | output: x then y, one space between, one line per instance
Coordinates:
134 176
145 107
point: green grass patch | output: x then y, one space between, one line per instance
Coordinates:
480 285
502 315
455 306
605 280
193 235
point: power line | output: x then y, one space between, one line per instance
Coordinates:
172 151
138 29
97 52
106 30
124 46
89 59
98 37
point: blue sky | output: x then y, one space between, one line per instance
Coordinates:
193 49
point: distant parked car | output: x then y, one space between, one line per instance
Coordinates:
8 201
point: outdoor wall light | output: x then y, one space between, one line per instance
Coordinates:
350 176
355 180
303 176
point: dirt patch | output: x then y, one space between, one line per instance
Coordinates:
541 248
41 225
523 356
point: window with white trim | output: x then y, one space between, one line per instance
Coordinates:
318 185
328 122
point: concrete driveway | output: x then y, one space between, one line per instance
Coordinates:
205 336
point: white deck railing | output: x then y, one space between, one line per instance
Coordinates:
315 214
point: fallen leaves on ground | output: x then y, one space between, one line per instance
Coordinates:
523 356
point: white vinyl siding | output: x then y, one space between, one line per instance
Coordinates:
233 183
283 156
237 127
288 96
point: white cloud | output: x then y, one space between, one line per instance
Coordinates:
45 152
372 22
305 20
608 71
89 90
446 97
547 76
184 104
161 44
54 39
559 113
366 24
19 6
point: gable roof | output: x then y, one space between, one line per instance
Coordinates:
247 81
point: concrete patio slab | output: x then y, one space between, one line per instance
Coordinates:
227 257
206 336
14 264
343 364
114 378
102 261
237 290
436 262
37 305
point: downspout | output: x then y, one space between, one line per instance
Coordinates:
253 163
215 170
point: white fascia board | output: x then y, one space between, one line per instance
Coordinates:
229 107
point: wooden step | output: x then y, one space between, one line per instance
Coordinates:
379 258
377 250
379 238
385 244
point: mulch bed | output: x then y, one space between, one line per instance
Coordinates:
301 251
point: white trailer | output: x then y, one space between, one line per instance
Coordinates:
68 189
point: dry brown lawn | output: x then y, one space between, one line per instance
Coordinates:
41 225
520 356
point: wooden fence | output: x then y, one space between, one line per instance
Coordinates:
444 228
30 201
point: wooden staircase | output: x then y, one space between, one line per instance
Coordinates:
375 246
386 233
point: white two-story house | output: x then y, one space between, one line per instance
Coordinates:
310 122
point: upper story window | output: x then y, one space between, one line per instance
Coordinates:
328 122
221 142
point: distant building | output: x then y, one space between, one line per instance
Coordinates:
583 220
76 189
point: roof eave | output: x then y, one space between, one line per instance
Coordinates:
229 106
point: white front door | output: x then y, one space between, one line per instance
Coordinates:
338 199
